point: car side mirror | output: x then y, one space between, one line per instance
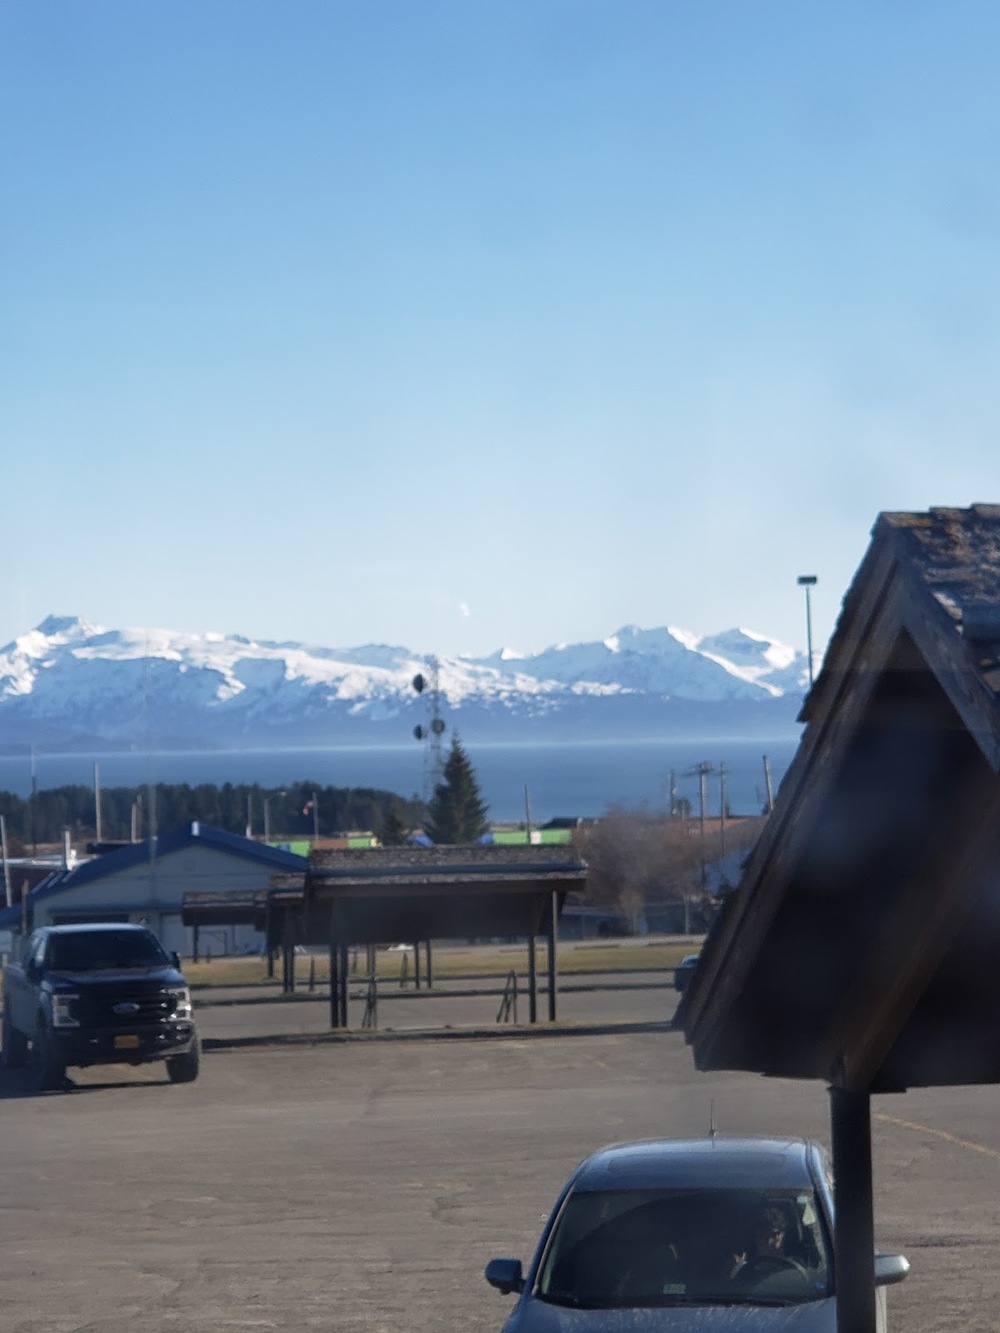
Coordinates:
890 1269
32 969
175 958
505 1275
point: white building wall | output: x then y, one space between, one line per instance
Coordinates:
152 892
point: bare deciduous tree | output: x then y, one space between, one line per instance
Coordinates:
640 861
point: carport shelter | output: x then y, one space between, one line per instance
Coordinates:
409 894
861 945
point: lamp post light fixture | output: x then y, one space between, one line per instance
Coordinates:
808 581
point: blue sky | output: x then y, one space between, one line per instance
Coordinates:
471 324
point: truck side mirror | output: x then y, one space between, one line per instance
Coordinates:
175 959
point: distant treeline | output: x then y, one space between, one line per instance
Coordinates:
134 812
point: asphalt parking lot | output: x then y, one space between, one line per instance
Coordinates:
362 1186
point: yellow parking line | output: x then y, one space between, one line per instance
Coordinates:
938 1134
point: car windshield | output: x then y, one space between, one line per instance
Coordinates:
103 949
627 1248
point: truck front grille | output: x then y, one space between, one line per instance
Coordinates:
113 1009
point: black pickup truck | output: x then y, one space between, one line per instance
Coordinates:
96 994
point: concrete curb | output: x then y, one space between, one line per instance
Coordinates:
502 1032
322 993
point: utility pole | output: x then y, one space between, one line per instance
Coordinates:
527 816
267 813
8 892
722 809
701 771
97 801
34 811
767 784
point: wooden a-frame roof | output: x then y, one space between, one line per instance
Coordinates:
862 945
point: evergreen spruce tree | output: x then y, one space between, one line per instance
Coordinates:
457 813
393 833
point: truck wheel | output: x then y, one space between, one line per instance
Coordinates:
15 1045
184 1068
50 1072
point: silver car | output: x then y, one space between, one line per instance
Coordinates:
675 1234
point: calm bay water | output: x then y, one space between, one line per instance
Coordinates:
567 779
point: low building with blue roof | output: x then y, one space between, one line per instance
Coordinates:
146 882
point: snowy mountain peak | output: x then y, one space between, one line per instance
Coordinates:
70 681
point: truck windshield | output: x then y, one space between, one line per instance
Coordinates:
93 950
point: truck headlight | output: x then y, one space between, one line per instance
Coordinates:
182 1002
64 1011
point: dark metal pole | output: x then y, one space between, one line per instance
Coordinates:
416 964
553 971
532 982
430 970
854 1224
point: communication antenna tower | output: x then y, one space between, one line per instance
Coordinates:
433 729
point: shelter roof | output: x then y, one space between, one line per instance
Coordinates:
861 944
408 893
444 866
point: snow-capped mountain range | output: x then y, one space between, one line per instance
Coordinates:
72 685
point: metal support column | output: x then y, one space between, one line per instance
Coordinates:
430 970
854 1222
553 970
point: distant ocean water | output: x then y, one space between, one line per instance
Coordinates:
563 779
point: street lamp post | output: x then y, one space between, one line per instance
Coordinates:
808 581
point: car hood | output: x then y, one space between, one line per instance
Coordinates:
811 1317
114 976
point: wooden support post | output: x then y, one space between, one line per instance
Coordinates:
532 982
343 986
854 1223
334 984
287 954
553 970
